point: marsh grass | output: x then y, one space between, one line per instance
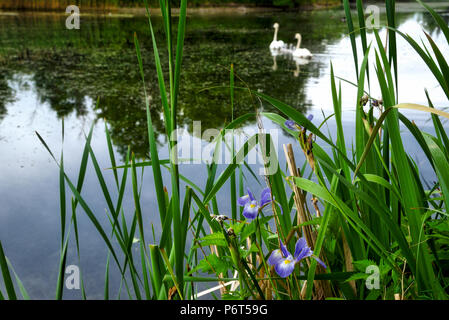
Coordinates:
373 208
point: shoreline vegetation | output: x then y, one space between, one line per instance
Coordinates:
360 223
200 10
10 7
193 6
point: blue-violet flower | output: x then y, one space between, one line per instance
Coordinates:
284 263
251 205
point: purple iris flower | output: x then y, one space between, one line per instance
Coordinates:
284 262
292 124
251 205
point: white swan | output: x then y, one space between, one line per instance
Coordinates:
301 52
276 44
299 62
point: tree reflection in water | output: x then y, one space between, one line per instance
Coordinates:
71 68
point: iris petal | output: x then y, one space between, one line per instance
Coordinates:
310 117
250 194
285 251
243 200
265 196
305 252
285 267
300 245
275 257
251 209
320 262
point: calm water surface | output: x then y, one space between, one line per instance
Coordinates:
48 73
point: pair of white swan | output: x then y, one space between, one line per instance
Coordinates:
279 45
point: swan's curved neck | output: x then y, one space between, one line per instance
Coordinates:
299 42
275 38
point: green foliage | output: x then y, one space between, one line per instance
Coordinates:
213 264
374 209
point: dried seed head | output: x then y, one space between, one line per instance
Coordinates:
364 100
220 218
377 102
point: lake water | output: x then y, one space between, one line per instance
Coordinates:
48 73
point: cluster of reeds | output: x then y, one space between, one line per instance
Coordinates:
369 205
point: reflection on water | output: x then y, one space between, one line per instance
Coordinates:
67 66
70 68
48 73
